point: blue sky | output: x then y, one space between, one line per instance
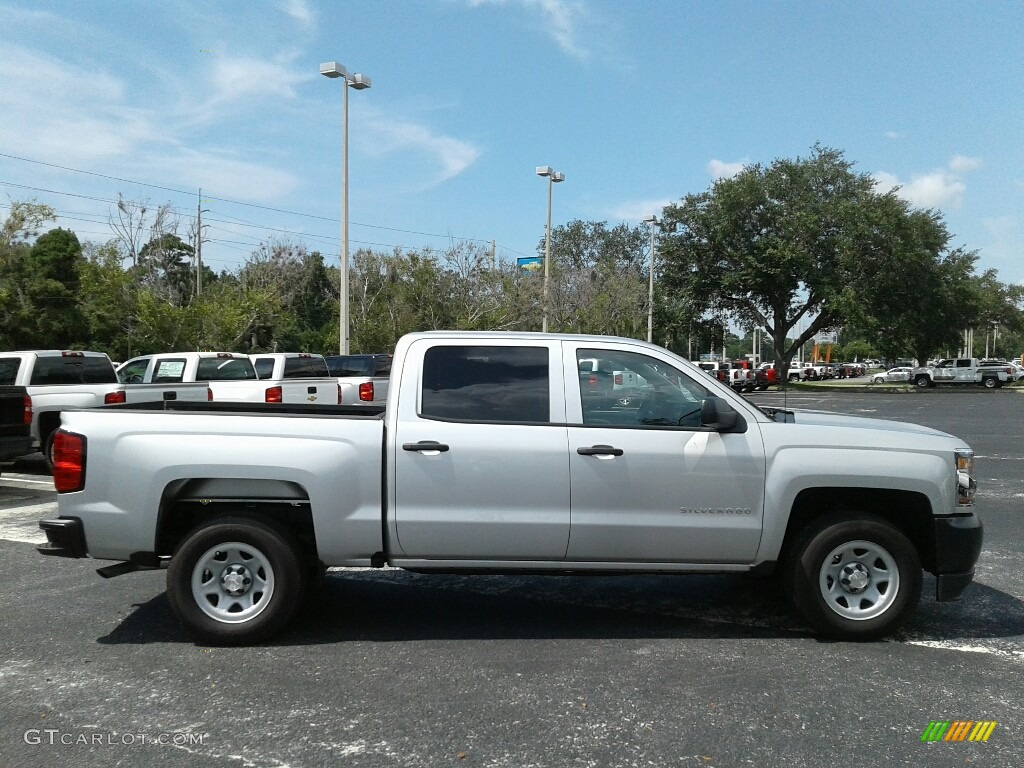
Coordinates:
638 103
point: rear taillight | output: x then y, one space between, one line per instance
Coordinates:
68 461
366 391
209 395
592 381
274 395
339 394
113 398
618 379
26 417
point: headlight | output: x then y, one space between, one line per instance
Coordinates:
966 485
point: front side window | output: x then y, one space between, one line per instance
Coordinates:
134 371
481 383
264 367
634 390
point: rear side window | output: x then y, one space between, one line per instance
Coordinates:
499 384
303 367
224 369
382 365
73 370
9 370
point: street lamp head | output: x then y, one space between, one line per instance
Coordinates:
652 219
544 170
333 69
557 177
359 81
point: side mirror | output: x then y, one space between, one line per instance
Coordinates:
717 414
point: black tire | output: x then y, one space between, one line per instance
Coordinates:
266 581
990 382
923 382
48 450
854 579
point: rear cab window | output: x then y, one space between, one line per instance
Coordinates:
73 369
225 369
306 367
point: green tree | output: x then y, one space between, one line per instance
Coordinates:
597 279
781 245
40 301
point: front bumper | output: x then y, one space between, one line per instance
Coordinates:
957 547
65 537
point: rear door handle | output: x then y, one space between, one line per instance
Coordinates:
600 450
425 445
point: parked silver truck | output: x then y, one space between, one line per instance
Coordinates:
961 370
489 457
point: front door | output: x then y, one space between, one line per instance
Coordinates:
669 491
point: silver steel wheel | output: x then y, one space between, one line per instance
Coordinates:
859 580
232 582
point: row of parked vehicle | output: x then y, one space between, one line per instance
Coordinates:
42 383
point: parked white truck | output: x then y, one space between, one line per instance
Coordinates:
60 379
961 370
489 457
56 379
230 377
363 378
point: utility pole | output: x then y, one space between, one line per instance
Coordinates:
199 245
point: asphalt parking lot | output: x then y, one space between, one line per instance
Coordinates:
387 668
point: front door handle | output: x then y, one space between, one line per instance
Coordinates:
424 446
600 450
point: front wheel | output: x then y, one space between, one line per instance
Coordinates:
235 581
855 579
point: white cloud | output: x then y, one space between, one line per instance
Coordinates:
893 135
239 78
718 169
298 10
560 19
638 210
942 188
964 164
392 136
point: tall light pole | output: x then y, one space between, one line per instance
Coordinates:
553 178
653 221
359 82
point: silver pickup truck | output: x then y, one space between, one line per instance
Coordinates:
492 457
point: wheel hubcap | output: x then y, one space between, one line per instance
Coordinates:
233 582
859 580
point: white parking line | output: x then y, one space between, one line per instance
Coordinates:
22 523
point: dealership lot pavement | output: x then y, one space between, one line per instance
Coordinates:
387 668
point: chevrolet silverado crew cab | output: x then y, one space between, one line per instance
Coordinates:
962 370
490 457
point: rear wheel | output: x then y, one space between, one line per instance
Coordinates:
990 382
854 579
923 382
235 581
48 450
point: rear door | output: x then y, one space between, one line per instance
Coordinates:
479 461
648 483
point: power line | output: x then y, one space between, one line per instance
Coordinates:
234 202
